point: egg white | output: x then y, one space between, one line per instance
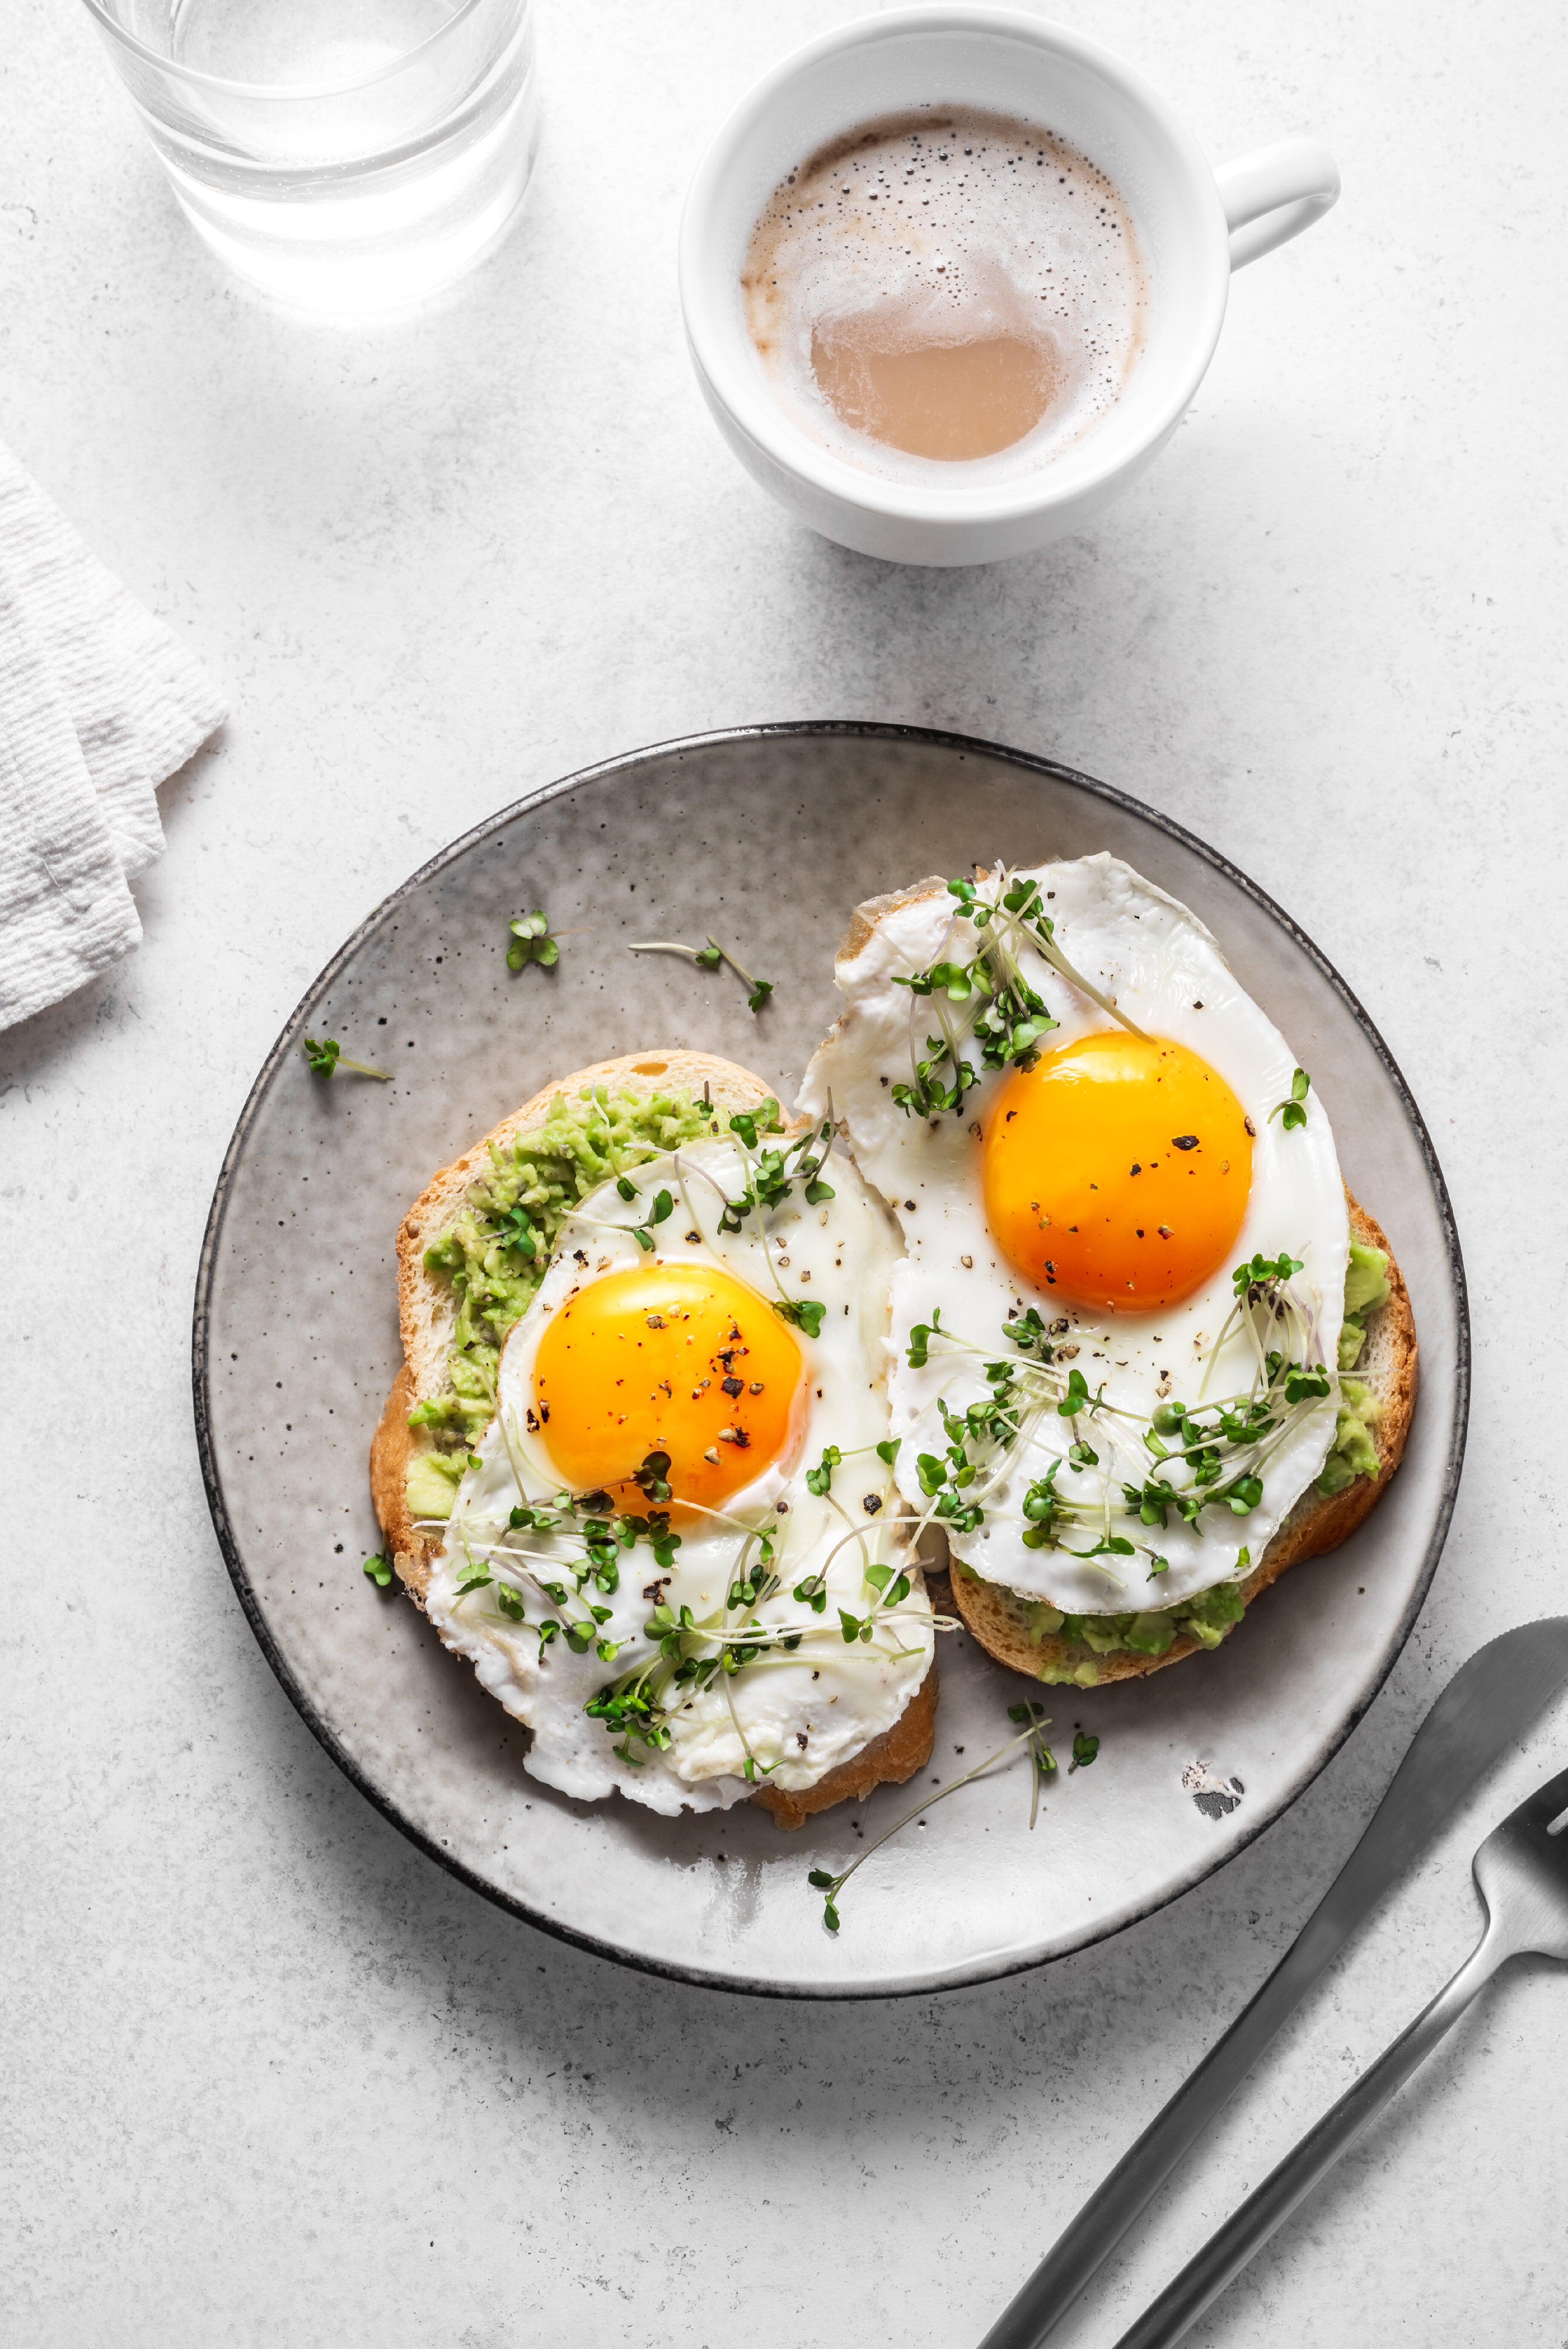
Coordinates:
798 1715
1160 966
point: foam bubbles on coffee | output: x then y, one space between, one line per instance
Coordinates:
946 286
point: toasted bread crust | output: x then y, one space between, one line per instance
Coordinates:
1390 1365
391 1449
887 1760
425 1321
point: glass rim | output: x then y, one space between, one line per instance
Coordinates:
278 92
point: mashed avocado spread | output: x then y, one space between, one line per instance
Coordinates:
1208 1617
496 1252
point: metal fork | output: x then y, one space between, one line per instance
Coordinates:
1522 1874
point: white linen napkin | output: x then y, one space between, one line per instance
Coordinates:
99 703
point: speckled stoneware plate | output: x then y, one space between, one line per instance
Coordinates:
772 835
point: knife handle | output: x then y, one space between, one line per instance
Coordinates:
1167 2320
1089 2238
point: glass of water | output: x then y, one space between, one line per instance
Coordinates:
348 156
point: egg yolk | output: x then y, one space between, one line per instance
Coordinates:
677 1357
1117 1172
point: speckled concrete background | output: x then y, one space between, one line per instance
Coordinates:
274 2079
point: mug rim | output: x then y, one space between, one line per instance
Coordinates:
751 408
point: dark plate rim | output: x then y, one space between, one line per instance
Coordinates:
841 730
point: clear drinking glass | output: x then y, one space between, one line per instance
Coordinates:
346 155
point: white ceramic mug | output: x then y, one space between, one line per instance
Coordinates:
1196 225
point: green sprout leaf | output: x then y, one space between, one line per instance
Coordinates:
516 1232
801 1313
819 1479
531 942
380 1570
652 1478
1292 1112
660 1211
1085 1749
921 1336
324 1058
820 1881
1260 1271
1031 1734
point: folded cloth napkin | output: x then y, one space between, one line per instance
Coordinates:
99 704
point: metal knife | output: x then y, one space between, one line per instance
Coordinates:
1488 1703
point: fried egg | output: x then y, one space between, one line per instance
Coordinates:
678 1553
1124 1263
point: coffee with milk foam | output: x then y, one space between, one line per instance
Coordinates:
946 287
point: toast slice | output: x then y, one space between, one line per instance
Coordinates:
427 1317
1389 1364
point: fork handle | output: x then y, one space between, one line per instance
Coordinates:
1227 2251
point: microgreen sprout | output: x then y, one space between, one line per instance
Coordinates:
531 942
1085 1749
773 1172
653 1477
801 1313
1032 1716
818 1479
708 957
918 1353
831 1887
987 998
380 1570
761 988
324 1058
516 1232
660 1209
1292 1112
1042 1506
748 1122
1204 1456
1029 1334
1077 1399
1253 1279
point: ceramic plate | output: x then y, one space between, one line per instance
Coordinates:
771 837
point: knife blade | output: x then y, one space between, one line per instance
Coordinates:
1491 1701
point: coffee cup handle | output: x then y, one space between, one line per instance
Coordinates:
1273 194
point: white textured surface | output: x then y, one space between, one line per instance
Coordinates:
273 2078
